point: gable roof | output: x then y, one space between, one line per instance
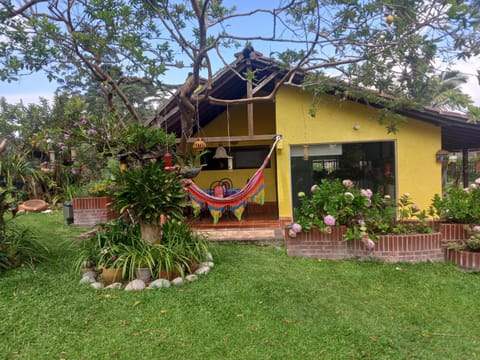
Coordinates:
229 84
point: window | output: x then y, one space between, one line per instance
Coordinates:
243 158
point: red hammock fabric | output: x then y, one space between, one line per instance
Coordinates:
253 191
236 203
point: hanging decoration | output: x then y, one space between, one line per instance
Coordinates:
199 145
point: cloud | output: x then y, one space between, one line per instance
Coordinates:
469 68
28 98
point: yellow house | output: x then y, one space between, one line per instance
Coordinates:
340 139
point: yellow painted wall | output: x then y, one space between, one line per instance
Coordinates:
264 123
416 142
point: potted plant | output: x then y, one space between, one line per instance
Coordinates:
150 194
186 248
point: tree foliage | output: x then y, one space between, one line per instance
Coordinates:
117 42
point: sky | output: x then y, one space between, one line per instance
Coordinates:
30 88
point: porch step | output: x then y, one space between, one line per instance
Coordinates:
257 236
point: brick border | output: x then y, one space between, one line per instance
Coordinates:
465 260
389 248
90 211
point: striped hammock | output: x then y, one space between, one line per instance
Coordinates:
252 192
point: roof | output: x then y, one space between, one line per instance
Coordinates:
229 84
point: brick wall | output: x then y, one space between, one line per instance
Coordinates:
317 244
401 248
390 248
90 211
465 260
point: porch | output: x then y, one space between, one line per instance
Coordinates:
260 225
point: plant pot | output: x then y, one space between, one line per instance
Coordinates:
144 274
112 275
169 275
151 232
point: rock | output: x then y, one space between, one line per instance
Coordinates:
97 285
191 277
209 264
88 277
135 285
178 281
159 283
202 270
114 286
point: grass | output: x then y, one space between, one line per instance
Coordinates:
255 304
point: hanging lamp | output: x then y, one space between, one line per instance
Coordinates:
220 153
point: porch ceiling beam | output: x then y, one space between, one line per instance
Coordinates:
241 138
264 82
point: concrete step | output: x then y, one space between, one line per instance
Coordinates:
257 236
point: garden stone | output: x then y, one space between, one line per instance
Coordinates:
114 286
88 277
209 264
159 283
191 277
203 270
135 285
178 281
97 285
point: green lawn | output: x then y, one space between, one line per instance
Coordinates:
255 304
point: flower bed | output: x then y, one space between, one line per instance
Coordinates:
89 211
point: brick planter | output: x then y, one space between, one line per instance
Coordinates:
453 232
401 248
89 211
465 260
316 244
389 248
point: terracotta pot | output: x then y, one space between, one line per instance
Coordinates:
169 275
112 275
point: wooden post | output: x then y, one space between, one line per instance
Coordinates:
465 167
250 106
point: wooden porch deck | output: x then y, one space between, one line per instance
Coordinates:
257 227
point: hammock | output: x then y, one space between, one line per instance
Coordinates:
252 192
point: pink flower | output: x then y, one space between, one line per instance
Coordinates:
314 188
477 181
366 193
476 228
347 183
369 244
329 220
296 228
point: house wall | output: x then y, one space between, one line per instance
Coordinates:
416 142
264 123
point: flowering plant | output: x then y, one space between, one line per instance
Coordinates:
458 205
470 244
364 213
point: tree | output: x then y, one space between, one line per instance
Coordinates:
391 46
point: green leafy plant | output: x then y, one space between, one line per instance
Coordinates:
473 241
458 205
149 191
360 210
